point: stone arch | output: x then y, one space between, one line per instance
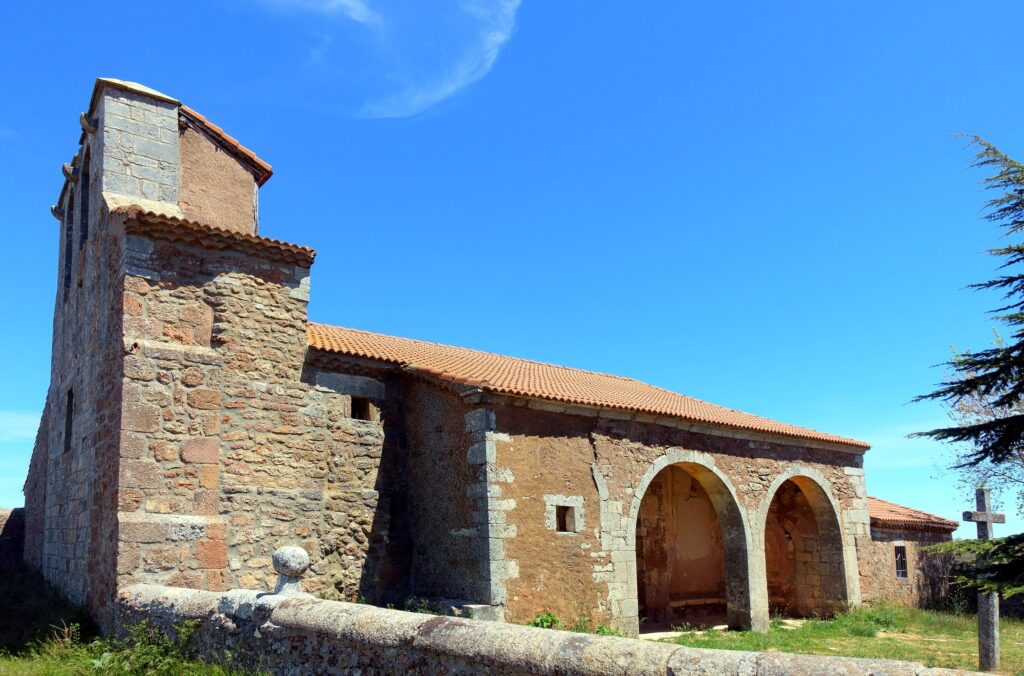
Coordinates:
816 578
731 518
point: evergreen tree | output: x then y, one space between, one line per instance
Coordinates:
997 373
1006 477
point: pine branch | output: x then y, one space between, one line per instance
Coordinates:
994 376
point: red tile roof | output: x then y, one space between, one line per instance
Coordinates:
888 514
231 144
145 222
521 377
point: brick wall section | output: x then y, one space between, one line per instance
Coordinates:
927 580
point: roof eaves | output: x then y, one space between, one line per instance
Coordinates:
145 222
259 167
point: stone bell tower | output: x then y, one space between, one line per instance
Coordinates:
95 476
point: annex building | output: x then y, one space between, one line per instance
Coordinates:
196 420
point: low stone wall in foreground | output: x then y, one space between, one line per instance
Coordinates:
292 633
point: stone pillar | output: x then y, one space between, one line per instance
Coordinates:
491 511
988 631
757 576
856 531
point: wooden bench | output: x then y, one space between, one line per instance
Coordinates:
692 601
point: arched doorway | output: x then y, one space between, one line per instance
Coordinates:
691 551
803 551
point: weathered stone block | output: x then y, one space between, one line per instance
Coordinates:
204 450
211 554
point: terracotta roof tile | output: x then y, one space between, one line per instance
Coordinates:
885 513
262 169
150 223
521 377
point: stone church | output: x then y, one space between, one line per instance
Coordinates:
196 420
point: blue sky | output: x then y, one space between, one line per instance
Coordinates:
758 204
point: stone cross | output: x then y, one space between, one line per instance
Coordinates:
988 603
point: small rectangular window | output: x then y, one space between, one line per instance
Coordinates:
901 561
83 212
364 409
565 519
69 420
69 238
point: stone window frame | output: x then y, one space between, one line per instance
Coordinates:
897 545
574 502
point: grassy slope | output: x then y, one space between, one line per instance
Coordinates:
933 638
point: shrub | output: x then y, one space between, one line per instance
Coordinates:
582 625
605 630
418 604
546 621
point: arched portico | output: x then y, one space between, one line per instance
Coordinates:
806 559
702 557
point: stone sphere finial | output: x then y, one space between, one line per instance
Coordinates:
290 563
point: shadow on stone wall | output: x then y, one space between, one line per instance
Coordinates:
12 534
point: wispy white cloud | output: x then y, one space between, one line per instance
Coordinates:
495 21
357 10
17 426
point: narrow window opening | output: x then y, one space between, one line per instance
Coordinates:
565 519
363 409
83 212
69 420
69 238
901 561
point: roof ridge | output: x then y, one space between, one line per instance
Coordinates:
497 354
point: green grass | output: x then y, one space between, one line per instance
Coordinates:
42 634
936 639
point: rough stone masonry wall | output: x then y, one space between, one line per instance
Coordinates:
928 574
12 534
72 483
447 529
356 519
289 635
604 464
232 444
